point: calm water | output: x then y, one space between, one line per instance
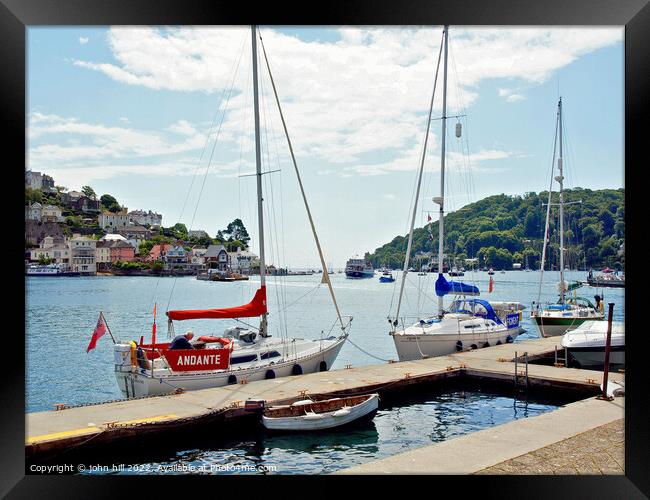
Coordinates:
399 426
62 312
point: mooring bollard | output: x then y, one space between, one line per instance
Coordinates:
608 346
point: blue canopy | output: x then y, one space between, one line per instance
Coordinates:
490 312
443 287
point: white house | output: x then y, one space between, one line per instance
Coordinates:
242 261
141 217
34 211
54 248
82 255
52 213
110 221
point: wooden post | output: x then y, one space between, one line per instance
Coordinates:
515 368
608 345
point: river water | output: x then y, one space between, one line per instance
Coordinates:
62 312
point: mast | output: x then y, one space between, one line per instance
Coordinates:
417 195
441 199
548 212
258 172
560 180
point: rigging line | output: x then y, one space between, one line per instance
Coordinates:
417 195
271 207
325 277
366 352
205 146
207 169
548 211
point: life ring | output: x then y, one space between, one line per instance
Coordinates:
226 343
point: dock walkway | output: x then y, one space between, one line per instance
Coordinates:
49 431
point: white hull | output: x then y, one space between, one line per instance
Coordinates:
416 346
553 326
596 358
138 382
321 421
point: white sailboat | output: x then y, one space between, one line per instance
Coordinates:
468 323
569 312
241 354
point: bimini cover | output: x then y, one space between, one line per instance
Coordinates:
443 287
490 314
256 307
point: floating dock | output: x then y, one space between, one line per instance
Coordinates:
49 433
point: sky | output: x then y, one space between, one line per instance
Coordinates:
162 119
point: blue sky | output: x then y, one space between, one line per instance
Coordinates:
128 111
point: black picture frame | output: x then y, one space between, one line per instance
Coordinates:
17 15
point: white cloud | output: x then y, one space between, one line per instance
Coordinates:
365 93
83 40
510 95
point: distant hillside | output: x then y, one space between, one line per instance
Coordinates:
501 230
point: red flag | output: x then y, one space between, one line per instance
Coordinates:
428 217
100 330
153 328
491 285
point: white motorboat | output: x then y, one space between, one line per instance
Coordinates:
308 415
49 270
358 267
242 354
467 323
566 314
586 344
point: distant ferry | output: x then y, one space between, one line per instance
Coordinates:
49 270
358 267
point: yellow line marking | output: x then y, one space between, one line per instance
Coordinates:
94 429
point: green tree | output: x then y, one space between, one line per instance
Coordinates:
236 231
89 192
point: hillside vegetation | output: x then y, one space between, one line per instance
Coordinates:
501 230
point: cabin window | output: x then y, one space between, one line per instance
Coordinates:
243 359
272 354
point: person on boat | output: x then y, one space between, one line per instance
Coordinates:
182 341
597 299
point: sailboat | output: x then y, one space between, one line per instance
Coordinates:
569 312
468 323
242 354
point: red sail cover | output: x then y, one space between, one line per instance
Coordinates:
256 307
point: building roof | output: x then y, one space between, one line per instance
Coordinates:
214 250
113 237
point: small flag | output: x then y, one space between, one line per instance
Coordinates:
153 328
491 285
428 217
100 330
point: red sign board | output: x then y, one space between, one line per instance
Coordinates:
185 360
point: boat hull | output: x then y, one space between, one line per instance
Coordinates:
554 327
138 382
416 346
594 358
359 274
364 411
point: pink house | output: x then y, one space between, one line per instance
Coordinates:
120 250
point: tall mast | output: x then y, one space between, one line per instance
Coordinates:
441 199
417 194
258 171
560 180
